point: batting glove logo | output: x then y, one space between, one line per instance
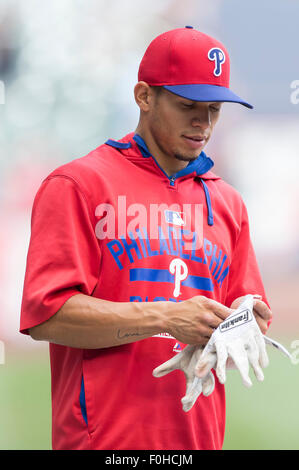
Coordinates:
217 55
235 320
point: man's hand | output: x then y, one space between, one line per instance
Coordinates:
240 338
186 361
261 311
193 321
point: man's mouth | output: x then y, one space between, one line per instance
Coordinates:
195 141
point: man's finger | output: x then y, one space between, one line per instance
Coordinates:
219 309
261 309
262 324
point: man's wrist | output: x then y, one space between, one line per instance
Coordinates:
154 316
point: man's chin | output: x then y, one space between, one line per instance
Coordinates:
185 158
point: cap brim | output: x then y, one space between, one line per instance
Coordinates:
210 93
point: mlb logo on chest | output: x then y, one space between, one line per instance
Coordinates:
175 218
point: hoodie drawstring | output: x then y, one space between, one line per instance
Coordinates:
209 205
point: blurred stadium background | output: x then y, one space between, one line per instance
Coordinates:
67 71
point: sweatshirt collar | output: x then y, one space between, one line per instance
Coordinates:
201 165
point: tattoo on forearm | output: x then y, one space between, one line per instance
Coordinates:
127 335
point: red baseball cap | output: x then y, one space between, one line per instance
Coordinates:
190 64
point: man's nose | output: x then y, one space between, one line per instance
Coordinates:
202 119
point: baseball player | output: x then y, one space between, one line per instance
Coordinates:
138 251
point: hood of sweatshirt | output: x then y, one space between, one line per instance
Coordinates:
134 148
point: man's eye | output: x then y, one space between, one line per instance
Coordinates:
186 105
215 109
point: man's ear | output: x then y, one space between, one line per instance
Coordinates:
143 95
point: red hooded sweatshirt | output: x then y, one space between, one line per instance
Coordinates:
115 226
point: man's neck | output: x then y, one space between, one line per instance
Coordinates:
169 164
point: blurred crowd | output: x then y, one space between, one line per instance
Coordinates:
69 67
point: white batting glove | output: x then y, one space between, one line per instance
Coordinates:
240 339
186 361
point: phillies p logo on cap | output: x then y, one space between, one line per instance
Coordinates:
217 55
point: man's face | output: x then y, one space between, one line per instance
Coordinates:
179 127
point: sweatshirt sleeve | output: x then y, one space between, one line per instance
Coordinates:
63 257
244 274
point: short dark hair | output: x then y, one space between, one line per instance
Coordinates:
157 89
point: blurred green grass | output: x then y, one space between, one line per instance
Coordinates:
25 401
265 416
262 417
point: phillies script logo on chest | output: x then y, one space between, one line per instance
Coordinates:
161 244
